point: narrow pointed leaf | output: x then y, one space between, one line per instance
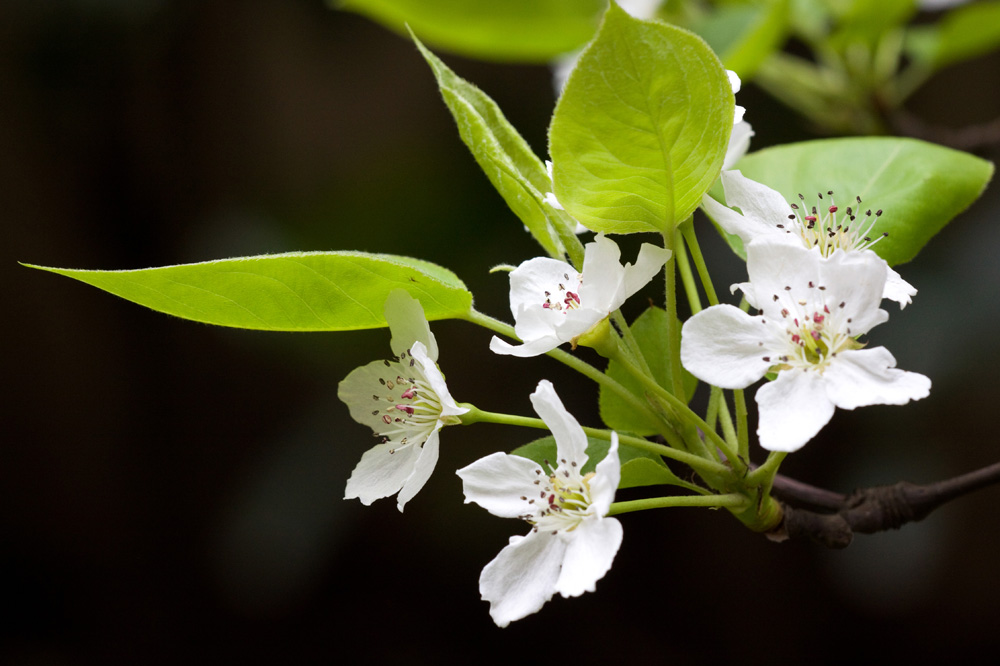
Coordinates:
744 35
299 291
641 129
504 156
964 33
919 186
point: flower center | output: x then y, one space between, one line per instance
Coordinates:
408 406
563 499
815 332
826 227
565 296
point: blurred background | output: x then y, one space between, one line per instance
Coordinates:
171 492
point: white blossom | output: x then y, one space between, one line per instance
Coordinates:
405 402
766 214
812 310
572 542
552 303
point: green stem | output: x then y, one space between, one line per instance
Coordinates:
742 436
763 476
690 288
726 420
476 415
588 371
673 327
732 501
685 412
699 263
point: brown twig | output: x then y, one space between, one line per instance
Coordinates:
867 510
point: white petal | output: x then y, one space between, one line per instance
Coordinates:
860 377
357 388
757 201
499 481
606 478
603 274
856 279
380 473
571 442
734 80
721 345
793 408
432 375
408 324
427 458
590 550
651 259
641 9
522 577
739 144
732 222
529 348
897 289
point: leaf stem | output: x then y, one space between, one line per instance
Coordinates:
731 501
476 415
691 239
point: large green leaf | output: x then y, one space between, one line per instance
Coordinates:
298 291
963 33
650 331
505 157
919 186
744 35
642 126
508 30
638 467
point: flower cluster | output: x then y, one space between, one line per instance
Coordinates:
817 286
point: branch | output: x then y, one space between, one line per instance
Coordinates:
867 510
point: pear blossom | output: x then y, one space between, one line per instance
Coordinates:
553 303
572 542
405 402
812 310
766 214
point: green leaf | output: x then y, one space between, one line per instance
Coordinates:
298 291
638 467
919 186
640 472
744 35
650 331
530 31
642 126
504 156
964 33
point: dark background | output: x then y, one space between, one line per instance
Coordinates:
171 492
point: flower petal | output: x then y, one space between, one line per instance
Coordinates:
571 442
897 289
498 483
651 259
590 551
522 577
739 144
861 377
529 348
793 409
603 274
757 201
432 375
423 466
605 480
381 473
356 391
724 346
408 324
